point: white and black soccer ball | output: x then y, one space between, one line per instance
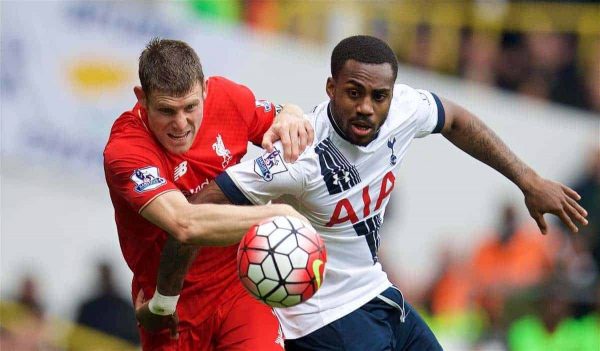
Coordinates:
281 261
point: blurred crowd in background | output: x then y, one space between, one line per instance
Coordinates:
548 50
517 290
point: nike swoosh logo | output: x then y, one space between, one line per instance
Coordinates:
317 272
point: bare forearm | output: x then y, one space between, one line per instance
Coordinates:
175 260
471 135
177 257
226 224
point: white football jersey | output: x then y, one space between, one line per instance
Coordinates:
343 190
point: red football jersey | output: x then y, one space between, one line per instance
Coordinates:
138 169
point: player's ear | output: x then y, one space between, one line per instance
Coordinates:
204 91
141 96
330 87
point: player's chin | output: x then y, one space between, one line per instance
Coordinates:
361 135
361 140
179 147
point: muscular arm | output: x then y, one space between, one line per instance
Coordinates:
204 224
471 135
176 257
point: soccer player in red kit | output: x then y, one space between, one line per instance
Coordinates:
184 131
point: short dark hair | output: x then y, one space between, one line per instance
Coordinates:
169 66
365 49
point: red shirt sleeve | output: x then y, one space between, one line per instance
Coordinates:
135 169
257 114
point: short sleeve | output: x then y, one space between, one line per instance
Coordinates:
263 179
430 114
135 171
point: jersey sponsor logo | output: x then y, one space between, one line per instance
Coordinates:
344 210
192 191
269 164
390 144
266 105
146 179
222 151
180 170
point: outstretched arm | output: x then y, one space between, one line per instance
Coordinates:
189 224
471 135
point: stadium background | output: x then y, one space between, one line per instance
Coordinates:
531 70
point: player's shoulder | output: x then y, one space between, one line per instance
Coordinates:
218 85
406 102
405 94
128 133
319 120
220 81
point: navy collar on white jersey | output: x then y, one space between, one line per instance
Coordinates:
339 131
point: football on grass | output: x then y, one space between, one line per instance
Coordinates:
281 261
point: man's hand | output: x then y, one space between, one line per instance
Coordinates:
294 131
154 322
545 196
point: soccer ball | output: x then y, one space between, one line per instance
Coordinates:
281 261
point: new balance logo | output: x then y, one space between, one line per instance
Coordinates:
180 170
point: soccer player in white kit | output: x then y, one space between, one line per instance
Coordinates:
342 184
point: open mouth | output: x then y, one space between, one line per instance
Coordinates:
179 137
361 129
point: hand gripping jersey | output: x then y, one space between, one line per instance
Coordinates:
138 169
343 190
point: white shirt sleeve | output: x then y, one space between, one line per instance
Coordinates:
263 179
430 114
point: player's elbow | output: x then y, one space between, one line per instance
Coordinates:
186 231
182 231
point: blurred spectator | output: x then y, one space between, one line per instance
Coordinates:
450 311
588 186
593 78
579 273
478 57
511 66
107 311
23 325
28 296
451 291
420 53
552 329
552 73
512 260
261 14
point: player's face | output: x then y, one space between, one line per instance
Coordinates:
360 99
176 120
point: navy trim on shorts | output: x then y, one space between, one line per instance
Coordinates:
441 114
231 190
